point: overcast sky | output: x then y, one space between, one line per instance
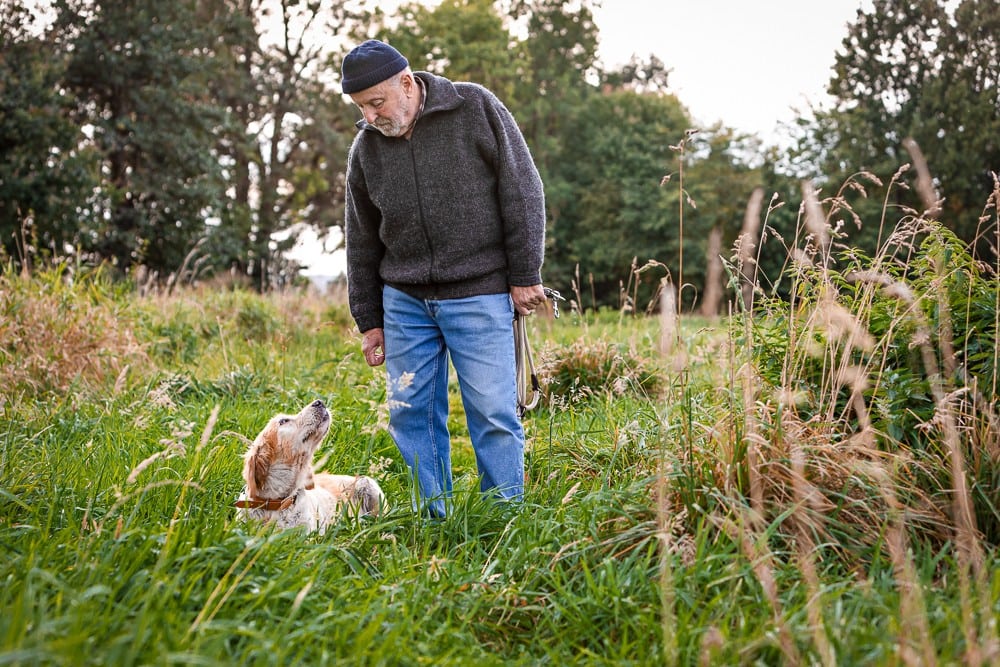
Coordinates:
745 63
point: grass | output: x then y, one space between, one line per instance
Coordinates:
676 511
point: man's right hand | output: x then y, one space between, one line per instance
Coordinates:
373 347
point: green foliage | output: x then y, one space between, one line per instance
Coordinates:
45 175
925 70
172 340
116 506
874 348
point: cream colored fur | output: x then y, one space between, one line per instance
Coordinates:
278 466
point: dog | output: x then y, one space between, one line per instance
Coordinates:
281 486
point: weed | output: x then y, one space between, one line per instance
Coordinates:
59 329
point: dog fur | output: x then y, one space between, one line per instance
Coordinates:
281 486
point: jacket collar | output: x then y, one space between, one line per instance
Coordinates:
441 95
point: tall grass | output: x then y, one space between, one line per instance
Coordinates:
783 487
855 434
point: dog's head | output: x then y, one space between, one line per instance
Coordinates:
280 459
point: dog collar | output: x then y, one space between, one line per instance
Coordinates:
272 505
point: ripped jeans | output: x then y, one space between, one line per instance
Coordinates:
476 333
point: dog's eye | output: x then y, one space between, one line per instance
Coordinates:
283 421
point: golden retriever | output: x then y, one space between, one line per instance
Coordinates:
281 485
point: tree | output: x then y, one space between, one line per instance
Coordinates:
301 130
286 148
212 125
46 174
559 53
606 204
643 76
719 183
464 40
601 139
139 70
925 71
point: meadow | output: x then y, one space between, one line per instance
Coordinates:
810 481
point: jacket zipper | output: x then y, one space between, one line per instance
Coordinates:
420 210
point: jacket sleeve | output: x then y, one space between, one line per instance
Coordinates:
522 198
364 248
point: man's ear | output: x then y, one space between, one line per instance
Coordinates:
407 83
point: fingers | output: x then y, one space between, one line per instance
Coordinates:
526 299
374 357
372 347
528 306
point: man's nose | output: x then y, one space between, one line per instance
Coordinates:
370 116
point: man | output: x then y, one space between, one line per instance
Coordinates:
445 229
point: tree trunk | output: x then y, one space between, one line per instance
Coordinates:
746 244
713 274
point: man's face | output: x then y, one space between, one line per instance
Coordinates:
389 106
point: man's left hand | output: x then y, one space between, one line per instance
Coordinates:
526 299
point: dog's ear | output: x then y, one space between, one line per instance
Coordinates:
256 464
249 472
262 454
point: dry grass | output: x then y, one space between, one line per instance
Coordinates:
799 460
63 330
596 367
59 331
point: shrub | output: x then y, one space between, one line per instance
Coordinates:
881 355
60 329
596 367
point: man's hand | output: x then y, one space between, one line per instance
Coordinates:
526 299
372 346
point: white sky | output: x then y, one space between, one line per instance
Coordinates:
751 64
746 63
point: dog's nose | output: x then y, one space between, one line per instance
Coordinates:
318 404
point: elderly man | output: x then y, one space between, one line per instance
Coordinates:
445 229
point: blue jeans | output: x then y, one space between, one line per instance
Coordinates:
477 334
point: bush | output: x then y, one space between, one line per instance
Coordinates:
60 329
596 367
886 354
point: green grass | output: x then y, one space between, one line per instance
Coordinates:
622 552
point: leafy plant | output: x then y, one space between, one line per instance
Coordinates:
596 368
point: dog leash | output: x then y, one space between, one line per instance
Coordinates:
527 398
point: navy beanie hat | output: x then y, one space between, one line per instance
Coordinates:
369 64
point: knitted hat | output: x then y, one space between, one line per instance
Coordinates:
369 64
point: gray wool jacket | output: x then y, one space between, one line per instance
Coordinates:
455 211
